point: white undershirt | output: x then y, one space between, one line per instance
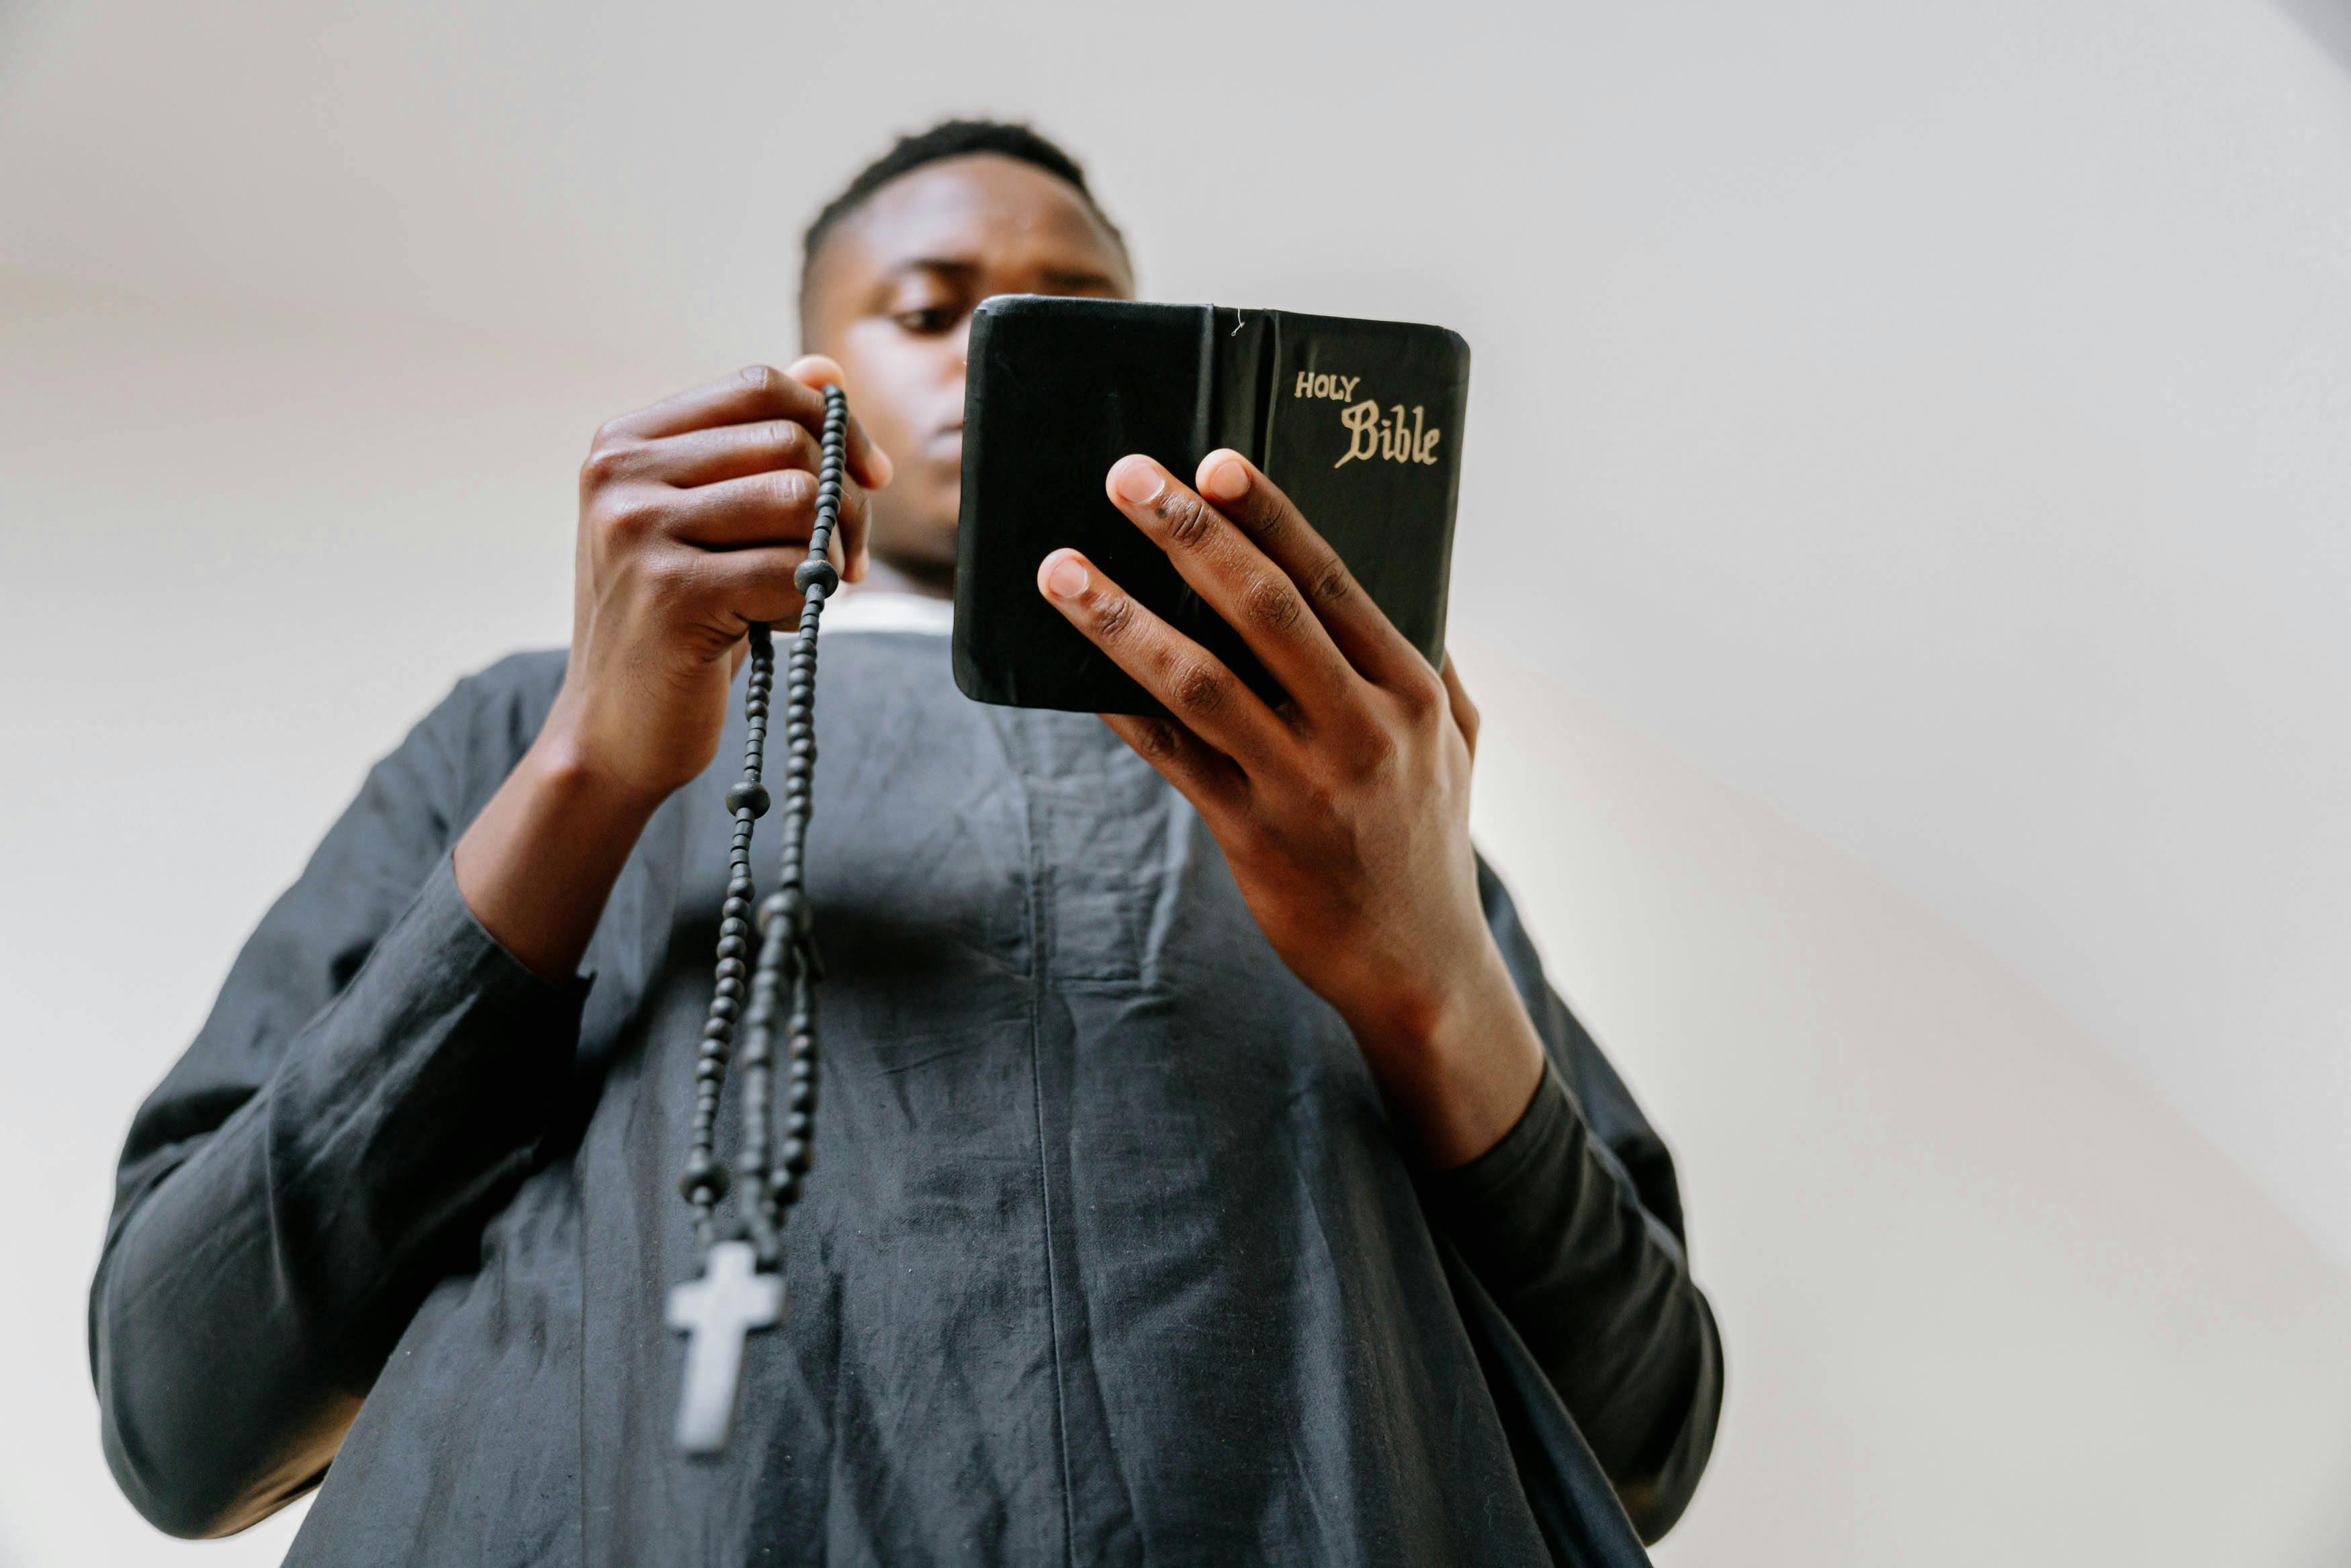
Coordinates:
888 609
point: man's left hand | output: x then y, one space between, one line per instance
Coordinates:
1344 811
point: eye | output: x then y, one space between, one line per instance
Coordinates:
927 321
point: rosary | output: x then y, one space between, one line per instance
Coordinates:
742 1287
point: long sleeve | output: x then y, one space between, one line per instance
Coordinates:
375 1071
1574 1223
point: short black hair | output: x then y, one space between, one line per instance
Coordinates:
948 139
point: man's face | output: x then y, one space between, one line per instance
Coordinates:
891 299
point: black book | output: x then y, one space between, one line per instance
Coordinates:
1358 421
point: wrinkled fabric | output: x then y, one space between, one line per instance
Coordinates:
1107 1255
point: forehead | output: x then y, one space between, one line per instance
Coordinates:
983 209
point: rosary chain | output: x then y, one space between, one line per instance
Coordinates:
768 1175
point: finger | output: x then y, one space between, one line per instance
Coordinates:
733 590
773 508
1194 684
755 511
727 451
756 393
1201 774
868 463
1254 595
1258 509
1466 717
753 393
697 459
869 466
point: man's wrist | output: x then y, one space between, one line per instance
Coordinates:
1422 1016
560 766
1457 1065
535 866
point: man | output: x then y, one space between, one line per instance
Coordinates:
1204 1173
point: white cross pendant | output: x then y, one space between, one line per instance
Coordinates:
716 1313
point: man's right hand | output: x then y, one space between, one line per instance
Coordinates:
694 516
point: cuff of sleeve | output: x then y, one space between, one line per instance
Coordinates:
428 1084
1510 1201
441 897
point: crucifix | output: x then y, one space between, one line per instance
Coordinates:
716 1312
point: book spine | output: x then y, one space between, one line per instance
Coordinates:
1246 350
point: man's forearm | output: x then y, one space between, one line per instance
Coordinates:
538 863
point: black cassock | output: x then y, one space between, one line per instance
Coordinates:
1108 1256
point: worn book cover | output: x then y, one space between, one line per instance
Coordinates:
1358 421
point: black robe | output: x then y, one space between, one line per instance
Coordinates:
1109 1254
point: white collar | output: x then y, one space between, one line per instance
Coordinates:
889 610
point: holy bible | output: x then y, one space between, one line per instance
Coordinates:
1358 421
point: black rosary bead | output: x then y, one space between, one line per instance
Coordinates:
703 1176
749 796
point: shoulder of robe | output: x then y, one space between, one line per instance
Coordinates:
490 718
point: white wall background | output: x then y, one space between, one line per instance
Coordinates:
1902 560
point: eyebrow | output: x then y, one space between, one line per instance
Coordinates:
1053 277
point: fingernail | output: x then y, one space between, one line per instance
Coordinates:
883 467
1228 481
1066 579
1138 480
